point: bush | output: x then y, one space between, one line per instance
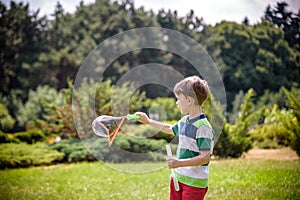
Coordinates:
35 107
267 135
235 139
232 142
25 155
138 145
166 108
293 125
280 125
4 138
267 144
146 131
30 136
6 120
78 108
75 150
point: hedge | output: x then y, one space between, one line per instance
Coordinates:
24 155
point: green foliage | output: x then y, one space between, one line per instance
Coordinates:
236 104
25 155
235 139
5 138
139 145
266 61
268 99
214 112
105 99
165 107
279 124
293 100
293 125
75 151
39 57
22 41
146 131
271 136
39 51
30 136
36 106
6 120
12 102
59 116
285 20
119 99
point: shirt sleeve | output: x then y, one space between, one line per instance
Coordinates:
204 138
204 144
175 129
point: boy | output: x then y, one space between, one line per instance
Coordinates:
196 139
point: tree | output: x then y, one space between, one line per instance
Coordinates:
21 42
287 21
255 57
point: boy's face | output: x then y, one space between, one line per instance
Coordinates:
182 103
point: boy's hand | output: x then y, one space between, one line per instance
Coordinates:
144 117
172 162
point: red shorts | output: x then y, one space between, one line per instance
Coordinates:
186 192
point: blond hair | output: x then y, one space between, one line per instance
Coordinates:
194 87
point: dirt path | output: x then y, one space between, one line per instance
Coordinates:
272 154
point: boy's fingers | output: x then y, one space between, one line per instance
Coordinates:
138 113
170 162
144 117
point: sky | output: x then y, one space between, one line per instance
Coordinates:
212 11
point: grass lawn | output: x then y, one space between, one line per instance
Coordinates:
229 179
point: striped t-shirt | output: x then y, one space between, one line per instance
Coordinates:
195 135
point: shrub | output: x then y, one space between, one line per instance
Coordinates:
25 155
139 145
6 120
280 125
235 139
78 107
30 136
35 107
293 125
267 144
146 131
267 135
165 107
4 138
73 150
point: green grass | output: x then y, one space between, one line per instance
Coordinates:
254 179
229 179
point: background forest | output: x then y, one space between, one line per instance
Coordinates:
40 57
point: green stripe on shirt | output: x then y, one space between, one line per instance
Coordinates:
203 143
195 182
186 153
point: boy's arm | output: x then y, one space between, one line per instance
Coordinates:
167 128
202 159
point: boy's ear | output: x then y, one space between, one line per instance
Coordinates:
190 100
